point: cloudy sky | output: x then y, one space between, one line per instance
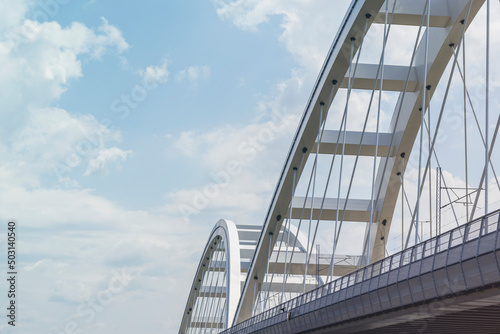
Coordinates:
119 130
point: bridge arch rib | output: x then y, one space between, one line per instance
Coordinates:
220 260
222 271
279 250
413 82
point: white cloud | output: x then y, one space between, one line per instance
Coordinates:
248 14
105 157
259 153
241 165
39 61
89 230
155 73
11 13
194 74
54 141
304 23
111 37
72 237
187 144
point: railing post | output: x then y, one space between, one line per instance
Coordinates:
484 223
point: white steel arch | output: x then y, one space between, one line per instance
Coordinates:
223 238
416 85
238 244
228 252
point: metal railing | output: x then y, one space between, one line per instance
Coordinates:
449 245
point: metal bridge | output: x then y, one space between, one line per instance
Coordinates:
374 153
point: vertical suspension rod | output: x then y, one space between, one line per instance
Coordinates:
424 84
438 123
372 203
466 161
255 278
218 309
438 200
288 233
218 266
322 104
266 291
483 176
334 82
342 156
486 155
210 262
428 87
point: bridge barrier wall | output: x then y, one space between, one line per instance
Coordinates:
465 258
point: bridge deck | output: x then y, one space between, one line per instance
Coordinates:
448 275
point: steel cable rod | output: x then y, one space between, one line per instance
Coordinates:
430 162
438 123
217 254
406 197
401 179
223 282
382 59
302 213
466 160
335 235
486 155
210 262
444 181
187 328
386 36
338 137
445 188
422 112
445 185
344 119
288 232
194 311
201 285
403 95
218 266
223 310
288 220
336 146
307 194
226 261
269 252
493 140
209 298
200 300
303 207
315 169
477 123
254 304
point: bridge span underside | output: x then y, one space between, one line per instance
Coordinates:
448 284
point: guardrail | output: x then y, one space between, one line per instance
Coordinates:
413 261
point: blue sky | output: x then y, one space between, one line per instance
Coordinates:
119 120
116 116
